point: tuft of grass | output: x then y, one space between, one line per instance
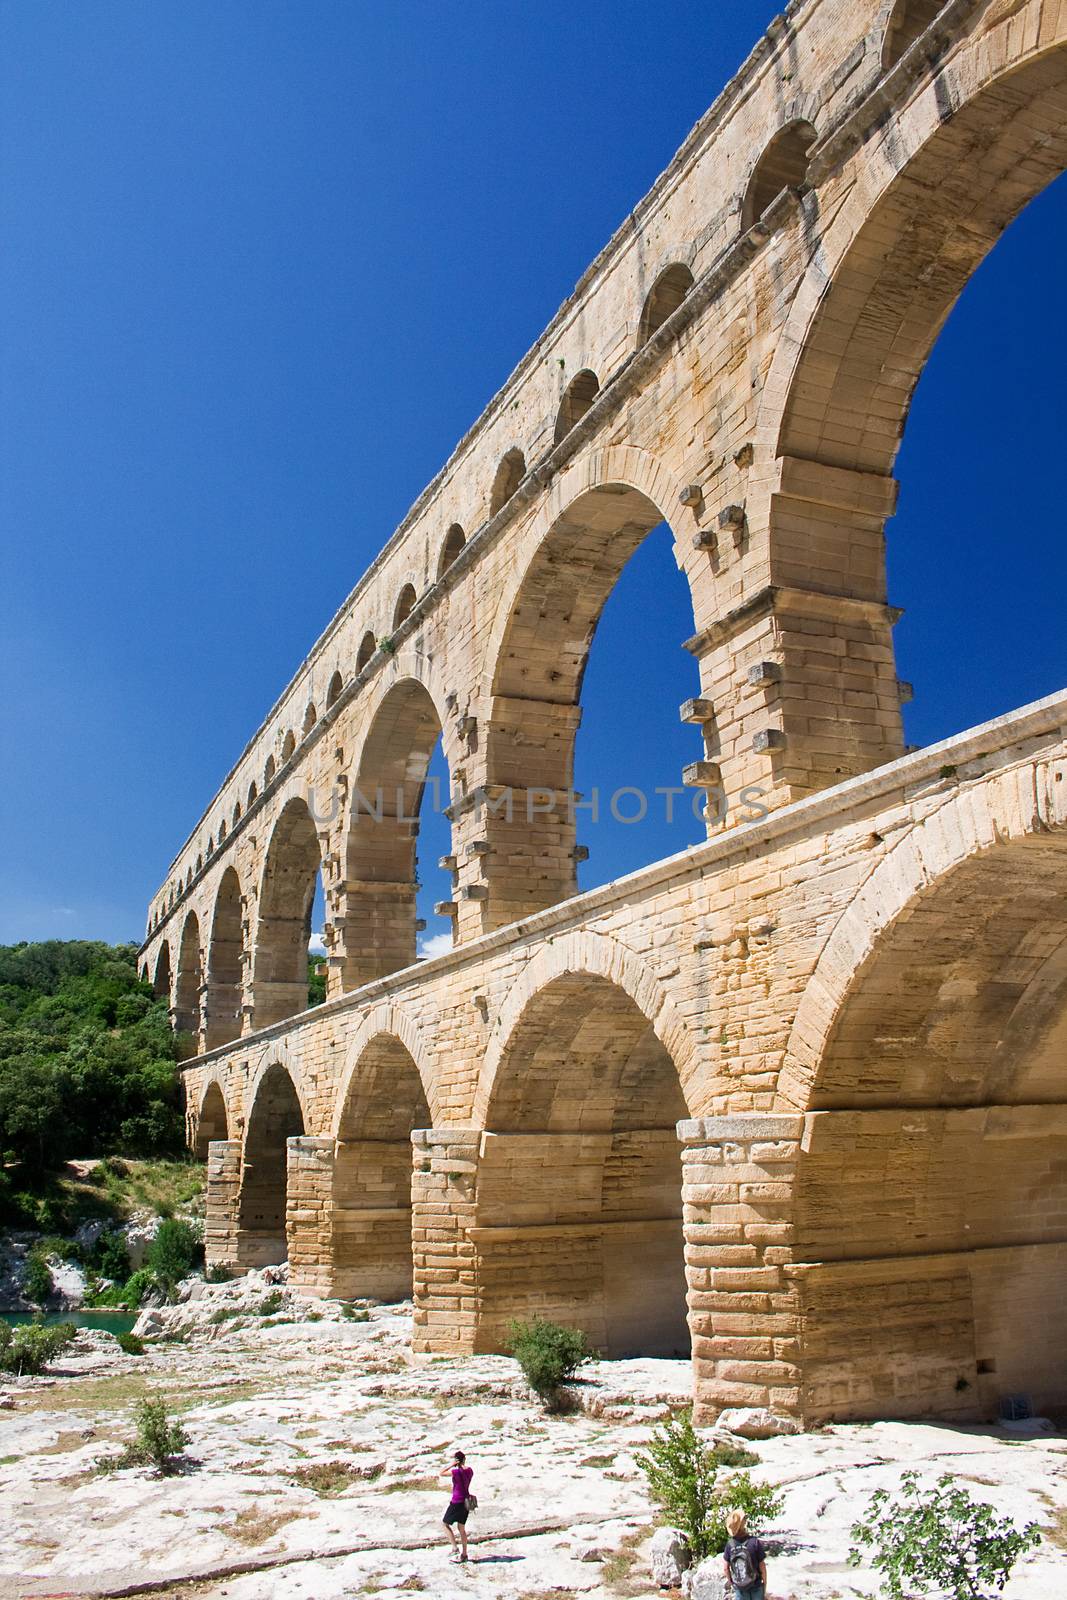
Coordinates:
253 1526
332 1477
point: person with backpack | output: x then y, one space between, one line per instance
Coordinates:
745 1560
460 1505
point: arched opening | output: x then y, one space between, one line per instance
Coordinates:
577 398
509 474
663 299
222 829
275 1117
212 1122
268 771
455 539
161 980
288 744
371 1214
334 690
932 1195
405 604
538 680
210 851
188 983
783 165
283 930
253 794
225 964
380 922
907 20
367 646
311 716
579 1200
236 813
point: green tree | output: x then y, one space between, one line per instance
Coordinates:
173 1252
939 1541
683 1479
549 1356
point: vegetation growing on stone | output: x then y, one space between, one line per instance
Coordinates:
26 1349
683 1479
549 1356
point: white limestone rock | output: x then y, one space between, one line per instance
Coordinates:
668 1557
706 1581
755 1422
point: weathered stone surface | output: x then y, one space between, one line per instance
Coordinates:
706 1581
755 1422
668 1557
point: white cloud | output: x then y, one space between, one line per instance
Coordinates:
316 945
436 945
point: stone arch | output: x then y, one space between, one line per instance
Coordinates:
907 21
275 1115
905 243
212 1121
311 716
579 1208
383 1100
934 1035
161 976
334 690
225 964
223 830
387 1020
236 812
382 827
405 604
590 523
367 646
268 771
288 745
578 396
188 980
509 474
783 164
253 794
663 299
283 924
454 541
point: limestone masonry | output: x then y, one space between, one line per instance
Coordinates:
795 1099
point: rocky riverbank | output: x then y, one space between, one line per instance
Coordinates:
316 1447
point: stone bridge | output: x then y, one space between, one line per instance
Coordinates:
794 1099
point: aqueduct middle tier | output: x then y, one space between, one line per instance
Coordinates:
794 1098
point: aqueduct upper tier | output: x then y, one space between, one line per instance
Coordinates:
842 1008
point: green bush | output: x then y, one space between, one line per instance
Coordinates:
271 1304
37 1281
137 1286
682 1474
159 1443
27 1349
130 1344
939 1541
110 1256
173 1252
549 1356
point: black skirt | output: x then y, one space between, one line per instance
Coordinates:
457 1512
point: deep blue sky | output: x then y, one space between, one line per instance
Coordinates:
261 264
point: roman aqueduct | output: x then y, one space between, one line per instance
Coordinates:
793 1100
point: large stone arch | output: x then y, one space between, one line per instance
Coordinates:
188 980
931 1181
581 951
292 861
275 1113
225 962
567 564
213 1117
407 717
578 1212
390 1020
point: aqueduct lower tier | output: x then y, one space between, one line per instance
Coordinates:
794 1100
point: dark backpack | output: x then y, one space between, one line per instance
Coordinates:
744 1573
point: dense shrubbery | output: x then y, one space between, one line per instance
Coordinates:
87 1060
27 1349
174 1252
683 1479
549 1356
159 1443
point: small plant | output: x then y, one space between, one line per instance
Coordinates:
130 1344
28 1348
173 1252
549 1356
270 1304
159 1443
353 1313
386 646
37 1281
939 1541
682 1475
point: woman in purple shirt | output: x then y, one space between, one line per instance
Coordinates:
458 1507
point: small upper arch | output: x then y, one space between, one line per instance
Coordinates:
782 165
334 690
288 744
509 474
236 813
253 794
311 716
577 398
405 604
455 539
907 20
268 770
367 646
663 299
